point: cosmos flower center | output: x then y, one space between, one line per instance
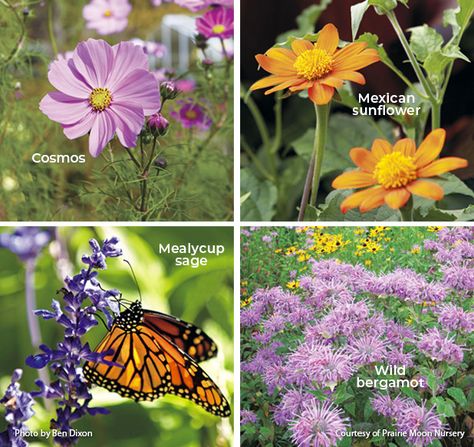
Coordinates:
218 29
107 13
100 99
313 64
191 114
395 170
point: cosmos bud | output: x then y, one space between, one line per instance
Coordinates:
158 124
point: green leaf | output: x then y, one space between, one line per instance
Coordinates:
467 214
384 6
368 411
450 371
306 22
345 442
443 407
260 205
453 185
466 9
433 214
425 40
458 395
450 19
372 42
357 14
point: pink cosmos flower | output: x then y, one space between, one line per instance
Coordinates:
104 90
217 22
107 16
192 5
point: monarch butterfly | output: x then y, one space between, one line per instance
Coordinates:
157 354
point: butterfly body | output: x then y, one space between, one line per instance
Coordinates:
155 354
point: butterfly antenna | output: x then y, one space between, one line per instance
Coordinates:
135 279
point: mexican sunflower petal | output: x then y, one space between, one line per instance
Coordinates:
320 94
363 158
397 198
328 39
270 81
356 199
430 148
274 65
442 166
427 189
353 179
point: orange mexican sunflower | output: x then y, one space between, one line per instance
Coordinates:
394 173
317 67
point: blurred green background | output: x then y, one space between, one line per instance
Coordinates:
203 296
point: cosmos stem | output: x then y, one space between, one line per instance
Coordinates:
322 120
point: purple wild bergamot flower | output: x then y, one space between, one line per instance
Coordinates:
420 423
77 316
319 425
247 417
18 409
439 347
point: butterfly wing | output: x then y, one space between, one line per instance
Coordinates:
144 373
189 338
189 380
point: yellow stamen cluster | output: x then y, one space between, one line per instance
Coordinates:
395 170
313 64
191 114
218 29
100 99
107 13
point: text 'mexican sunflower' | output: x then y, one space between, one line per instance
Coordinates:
393 173
318 67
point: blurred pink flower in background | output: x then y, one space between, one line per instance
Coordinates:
155 49
107 16
192 115
217 22
185 85
102 90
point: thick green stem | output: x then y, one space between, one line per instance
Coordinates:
258 118
407 211
306 190
436 116
322 120
51 27
416 67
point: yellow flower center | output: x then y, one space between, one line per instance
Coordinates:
191 115
218 29
107 13
313 64
100 99
395 170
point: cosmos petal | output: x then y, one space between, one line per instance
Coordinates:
64 109
139 87
102 132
